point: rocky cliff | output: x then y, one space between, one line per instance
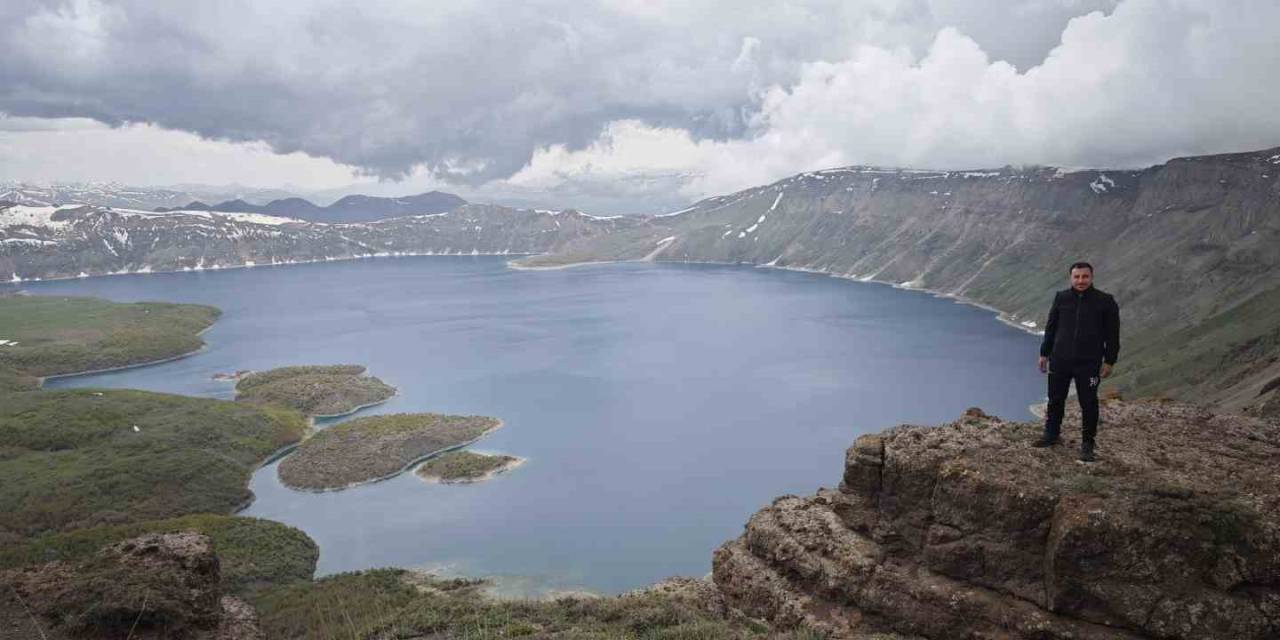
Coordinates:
1190 248
965 531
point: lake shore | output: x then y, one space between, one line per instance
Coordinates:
1001 316
377 448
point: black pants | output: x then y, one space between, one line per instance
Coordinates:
1085 374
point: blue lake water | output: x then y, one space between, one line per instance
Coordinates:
658 405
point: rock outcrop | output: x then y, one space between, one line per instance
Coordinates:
965 531
152 586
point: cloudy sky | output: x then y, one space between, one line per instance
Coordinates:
619 105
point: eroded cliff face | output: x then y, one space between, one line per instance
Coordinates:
965 531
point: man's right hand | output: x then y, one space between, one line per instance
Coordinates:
1044 364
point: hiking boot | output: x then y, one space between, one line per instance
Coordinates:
1086 452
1046 441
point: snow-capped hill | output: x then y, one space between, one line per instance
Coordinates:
39 242
100 194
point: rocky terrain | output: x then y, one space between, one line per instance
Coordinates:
1189 249
964 531
63 242
150 587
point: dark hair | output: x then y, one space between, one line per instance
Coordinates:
1081 265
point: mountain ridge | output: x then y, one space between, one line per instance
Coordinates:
1188 248
352 208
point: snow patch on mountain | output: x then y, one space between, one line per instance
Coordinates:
24 215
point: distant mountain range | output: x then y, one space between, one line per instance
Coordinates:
42 242
110 194
101 194
1190 248
354 208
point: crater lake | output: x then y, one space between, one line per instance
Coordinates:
658 405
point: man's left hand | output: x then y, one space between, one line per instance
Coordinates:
1106 370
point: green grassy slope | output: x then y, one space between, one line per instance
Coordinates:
73 459
376 447
254 553
61 335
391 603
330 390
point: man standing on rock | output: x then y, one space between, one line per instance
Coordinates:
1081 343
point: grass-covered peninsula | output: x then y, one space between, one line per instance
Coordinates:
48 335
321 391
83 458
458 467
376 447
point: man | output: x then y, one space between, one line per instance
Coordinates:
1081 343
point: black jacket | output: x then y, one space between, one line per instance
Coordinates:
1084 326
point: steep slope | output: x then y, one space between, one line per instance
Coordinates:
49 242
964 531
1190 246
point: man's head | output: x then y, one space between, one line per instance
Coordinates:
1081 276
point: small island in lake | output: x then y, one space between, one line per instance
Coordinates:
376 448
459 467
319 391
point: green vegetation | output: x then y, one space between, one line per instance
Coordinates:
1244 334
464 466
314 390
14 380
83 458
390 603
254 553
376 447
59 335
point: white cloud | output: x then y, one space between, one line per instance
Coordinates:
81 150
625 105
1156 78
468 89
